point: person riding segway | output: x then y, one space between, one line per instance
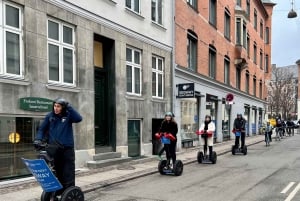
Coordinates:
239 131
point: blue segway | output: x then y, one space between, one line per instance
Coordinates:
238 150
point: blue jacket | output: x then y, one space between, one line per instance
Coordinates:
59 128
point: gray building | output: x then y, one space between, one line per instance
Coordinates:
111 59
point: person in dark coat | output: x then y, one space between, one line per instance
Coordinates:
239 124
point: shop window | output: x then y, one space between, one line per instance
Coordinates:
61 57
134 137
16 137
11 40
133 71
133 5
189 118
157 11
157 77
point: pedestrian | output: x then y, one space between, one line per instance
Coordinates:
268 131
56 130
207 129
169 127
239 125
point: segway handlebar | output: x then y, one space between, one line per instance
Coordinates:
202 132
166 135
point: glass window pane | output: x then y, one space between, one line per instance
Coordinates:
12 16
153 62
153 84
68 35
159 12
160 66
128 3
137 82
68 65
13 53
136 57
153 10
137 6
53 30
53 59
129 78
160 85
128 55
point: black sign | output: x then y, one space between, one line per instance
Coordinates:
186 90
211 98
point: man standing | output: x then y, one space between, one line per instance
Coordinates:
239 125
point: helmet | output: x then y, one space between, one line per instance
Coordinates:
169 114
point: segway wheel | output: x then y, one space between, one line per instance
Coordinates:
161 165
214 158
178 168
245 150
200 156
233 150
73 193
46 196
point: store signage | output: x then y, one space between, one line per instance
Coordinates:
211 98
36 104
186 90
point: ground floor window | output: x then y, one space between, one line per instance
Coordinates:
226 109
134 137
253 120
16 137
212 109
189 118
246 116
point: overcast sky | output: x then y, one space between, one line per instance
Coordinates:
285 34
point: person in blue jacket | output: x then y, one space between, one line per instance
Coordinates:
56 130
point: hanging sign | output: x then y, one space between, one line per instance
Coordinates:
186 90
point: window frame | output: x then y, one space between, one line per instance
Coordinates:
247 82
227 24
261 59
212 67
213 15
157 12
192 38
61 46
227 70
254 85
132 5
193 4
158 72
18 31
133 67
255 53
267 35
261 31
255 19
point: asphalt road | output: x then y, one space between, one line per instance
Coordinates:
265 174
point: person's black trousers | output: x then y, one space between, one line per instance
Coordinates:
171 151
237 140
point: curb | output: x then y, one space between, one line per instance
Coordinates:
146 172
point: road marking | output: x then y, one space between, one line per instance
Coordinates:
293 193
287 188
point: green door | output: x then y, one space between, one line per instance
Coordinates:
134 139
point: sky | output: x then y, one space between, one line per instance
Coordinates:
285 34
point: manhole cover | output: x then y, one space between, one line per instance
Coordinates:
125 167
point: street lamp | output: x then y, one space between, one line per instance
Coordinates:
292 13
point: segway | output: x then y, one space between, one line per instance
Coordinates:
239 150
203 157
164 167
72 193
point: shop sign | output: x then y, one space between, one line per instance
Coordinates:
36 104
211 98
186 90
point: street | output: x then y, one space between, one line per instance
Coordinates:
265 174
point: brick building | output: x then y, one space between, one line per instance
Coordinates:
222 48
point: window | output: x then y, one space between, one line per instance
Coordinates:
193 3
241 32
260 89
212 61
226 70
248 45
247 82
11 42
244 35
156 11
192 50
254 53
255 19
157 77
213 12
238 31
239 3
261 59
267 63
133 5
238 78
261 29
61 53
227 24
267 35
248 8
133 71
254 85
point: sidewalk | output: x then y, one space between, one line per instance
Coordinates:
89 180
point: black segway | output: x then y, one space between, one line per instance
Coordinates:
203 157
72 193
164 168
238 150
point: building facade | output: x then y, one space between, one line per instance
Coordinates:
222 51
112 60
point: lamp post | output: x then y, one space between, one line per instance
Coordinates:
292 13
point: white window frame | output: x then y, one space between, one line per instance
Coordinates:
19 31
61 45
157 72
133 67
132 4
156 11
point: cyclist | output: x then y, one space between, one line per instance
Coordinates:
239 124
